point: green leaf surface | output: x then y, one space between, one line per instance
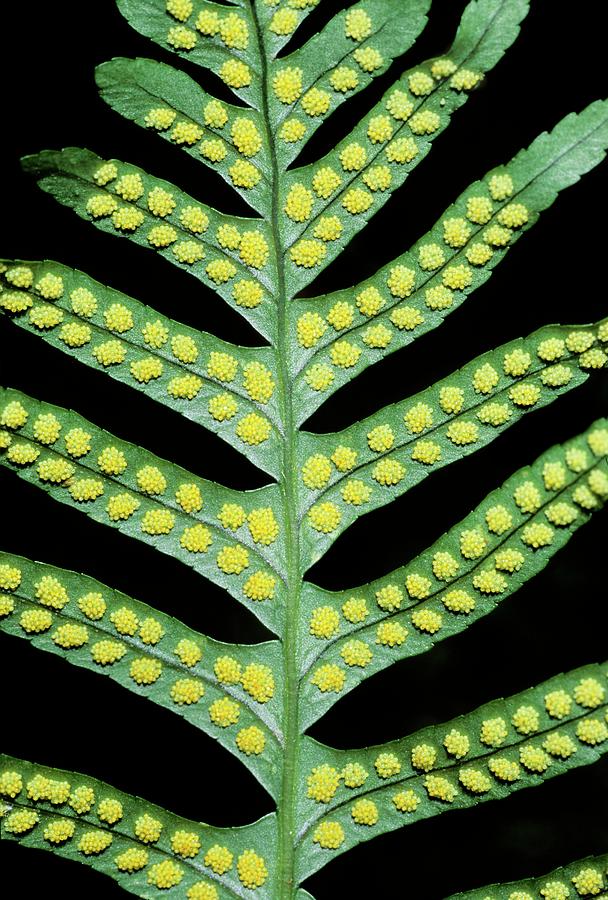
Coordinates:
181 661
135 87
69 176
404 139
153 499
162 358
398 447
579 876
552 163
52 819
519 730
462 577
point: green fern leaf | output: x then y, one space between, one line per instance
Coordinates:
258 701
586 876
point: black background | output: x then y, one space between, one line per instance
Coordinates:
68 717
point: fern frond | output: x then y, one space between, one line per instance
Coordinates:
414 293
209 683
355 180
164 100
488 754
588 877
465 575
143 847
231 537
190 235
348 473
205 379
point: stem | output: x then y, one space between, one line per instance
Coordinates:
285 883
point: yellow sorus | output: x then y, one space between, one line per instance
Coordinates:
438 297
324 622
466 80
406 317
224 712
509 560
325 182
93 606
151 480
485 379
328 677
527 497
591 731
101 205
439 788
36 621
125 621
46 429
598 441
423 757
145 670
151 631
299 203
389 598
357 201
329 835
378 178
427 620
147 829
356 653
537 535
127 218
388 472
292 131
258 681
424 122
377 337
588 882
504 769
489 582
561 514
554 476
494 414
356 492
260 586
208 22
368 58
233 560
185 843
50 286
458 277
451 399
45 316
462 433
354 775
110 353
493 732
316 102
110 810
496 236
479 210
162 236
75 335
23 454
155 334
322 783
232 516
219 859
456 743
420 83
381 438
106 173
284 22
556 376
86 489
525 394
50 592
20 276
456 232
132 860
188 252
245 136
55 470
287 84
189 497
445 566
82 799
7 605
235 74
365 812
263 526
513 215
430 257
593 359
122 507
500 186
579 341
474 781
158 521
406 801
589 693
70 636
401 281
472 544
251 741
344 354
554 890
525 720
353 157
234 32
355 610
21 822
370 301
478 254
160 118
253 429
59 831
391 634
399 105
344 79
380 129
324 517
165 874
387 765
227 670
534 759
357 25
308 253
418 418
253 250
247 293
258 382
344 458
251 869
181 38
188 652
94 842
185 387
130 187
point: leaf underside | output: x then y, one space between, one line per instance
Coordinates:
259 700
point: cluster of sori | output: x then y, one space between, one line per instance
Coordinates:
469 569
142 347
460 413
140 647
475 757
132 199
588 878
225 136
432 279
350 180
114 480
96 821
